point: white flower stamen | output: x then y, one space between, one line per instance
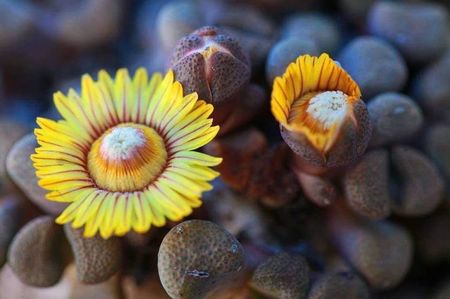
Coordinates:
121 142
328 107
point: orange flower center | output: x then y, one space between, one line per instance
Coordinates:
127 157
319 115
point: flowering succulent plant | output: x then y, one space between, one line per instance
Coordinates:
124 154
350 198
322 117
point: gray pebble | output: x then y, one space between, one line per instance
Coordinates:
418 30
355 10
177 19
395 117
318 27
432 87
286 51
375 65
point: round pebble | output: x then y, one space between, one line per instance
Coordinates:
395 117
20 169
418 30
286 51
432 88
177 19
374 64
315 26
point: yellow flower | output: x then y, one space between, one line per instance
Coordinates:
320 111
123 154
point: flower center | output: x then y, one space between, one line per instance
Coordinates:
122 142
328 107
319 115
127 158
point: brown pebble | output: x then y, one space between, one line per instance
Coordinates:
380 251
422 186
96 259
198 259
366 185
282 276
20 169
36 253
339 285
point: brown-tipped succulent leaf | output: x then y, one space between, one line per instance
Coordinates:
10 213
380 251
421 184
322 117
282 276
36 253
96 259
366 185
211 63
339 284
199 259
20 169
